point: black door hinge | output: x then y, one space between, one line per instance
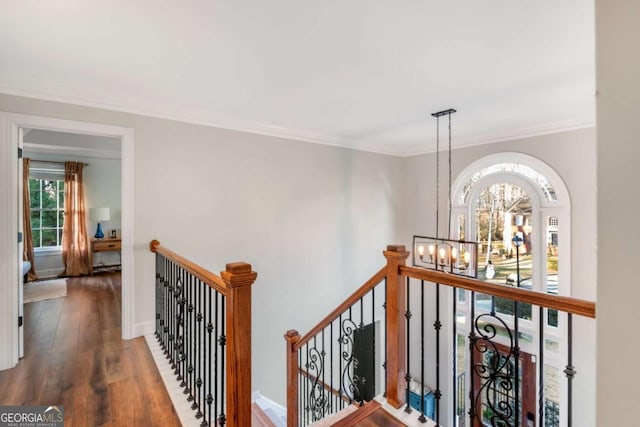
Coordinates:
19 237
19 321
19 152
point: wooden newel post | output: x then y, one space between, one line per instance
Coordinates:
292 337
396 256
239 278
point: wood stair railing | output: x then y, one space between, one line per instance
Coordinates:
207 339
396 275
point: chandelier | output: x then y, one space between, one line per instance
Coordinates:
445 254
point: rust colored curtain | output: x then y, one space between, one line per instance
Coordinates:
75 243
27 248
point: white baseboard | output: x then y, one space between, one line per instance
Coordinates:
257 395
179 400
144 328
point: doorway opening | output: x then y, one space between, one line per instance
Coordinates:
13 126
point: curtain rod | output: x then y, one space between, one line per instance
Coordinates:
54 162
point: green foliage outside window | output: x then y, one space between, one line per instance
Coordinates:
47 212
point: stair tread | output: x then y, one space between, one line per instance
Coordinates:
371 414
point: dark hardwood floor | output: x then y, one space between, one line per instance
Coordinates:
74 356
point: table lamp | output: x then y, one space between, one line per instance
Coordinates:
99 215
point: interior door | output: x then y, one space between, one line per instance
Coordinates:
20 279
502 388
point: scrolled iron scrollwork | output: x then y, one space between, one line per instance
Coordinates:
318 395
351 383
496 371
179 289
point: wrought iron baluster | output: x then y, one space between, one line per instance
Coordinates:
307 408
570 371
326 400
360 379
516 355
332 394
180 326
300 388
495 371
192 341
210 377
384 364
373 325
437 326
341 402
454 353
189 336
222 419
172 315
205 335
157 293
167 301
348 378
541 365
197 403
407 376
183 329
422 417
472 346
215 358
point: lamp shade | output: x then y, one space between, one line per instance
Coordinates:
100 214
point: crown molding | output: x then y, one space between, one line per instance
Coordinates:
211 119
516 134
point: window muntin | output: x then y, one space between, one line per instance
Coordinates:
47 212
514 168
504 210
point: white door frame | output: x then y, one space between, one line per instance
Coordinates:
9 257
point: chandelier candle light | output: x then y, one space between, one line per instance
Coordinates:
99 215
454 256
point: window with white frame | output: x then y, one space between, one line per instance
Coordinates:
495 199
46 203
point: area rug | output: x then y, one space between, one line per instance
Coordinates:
47 289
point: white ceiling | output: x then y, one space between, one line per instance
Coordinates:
357 73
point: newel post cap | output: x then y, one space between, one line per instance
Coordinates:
153 245
397 252
239 274
292 336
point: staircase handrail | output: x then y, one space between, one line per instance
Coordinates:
209 278
555 302
350 300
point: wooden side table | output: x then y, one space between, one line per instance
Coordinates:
104 245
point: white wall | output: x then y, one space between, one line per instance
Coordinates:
573 156
311 219
618 110
102 179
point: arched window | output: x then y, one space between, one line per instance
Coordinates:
508 194
494 199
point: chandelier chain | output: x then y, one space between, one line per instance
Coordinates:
438 176
449 235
